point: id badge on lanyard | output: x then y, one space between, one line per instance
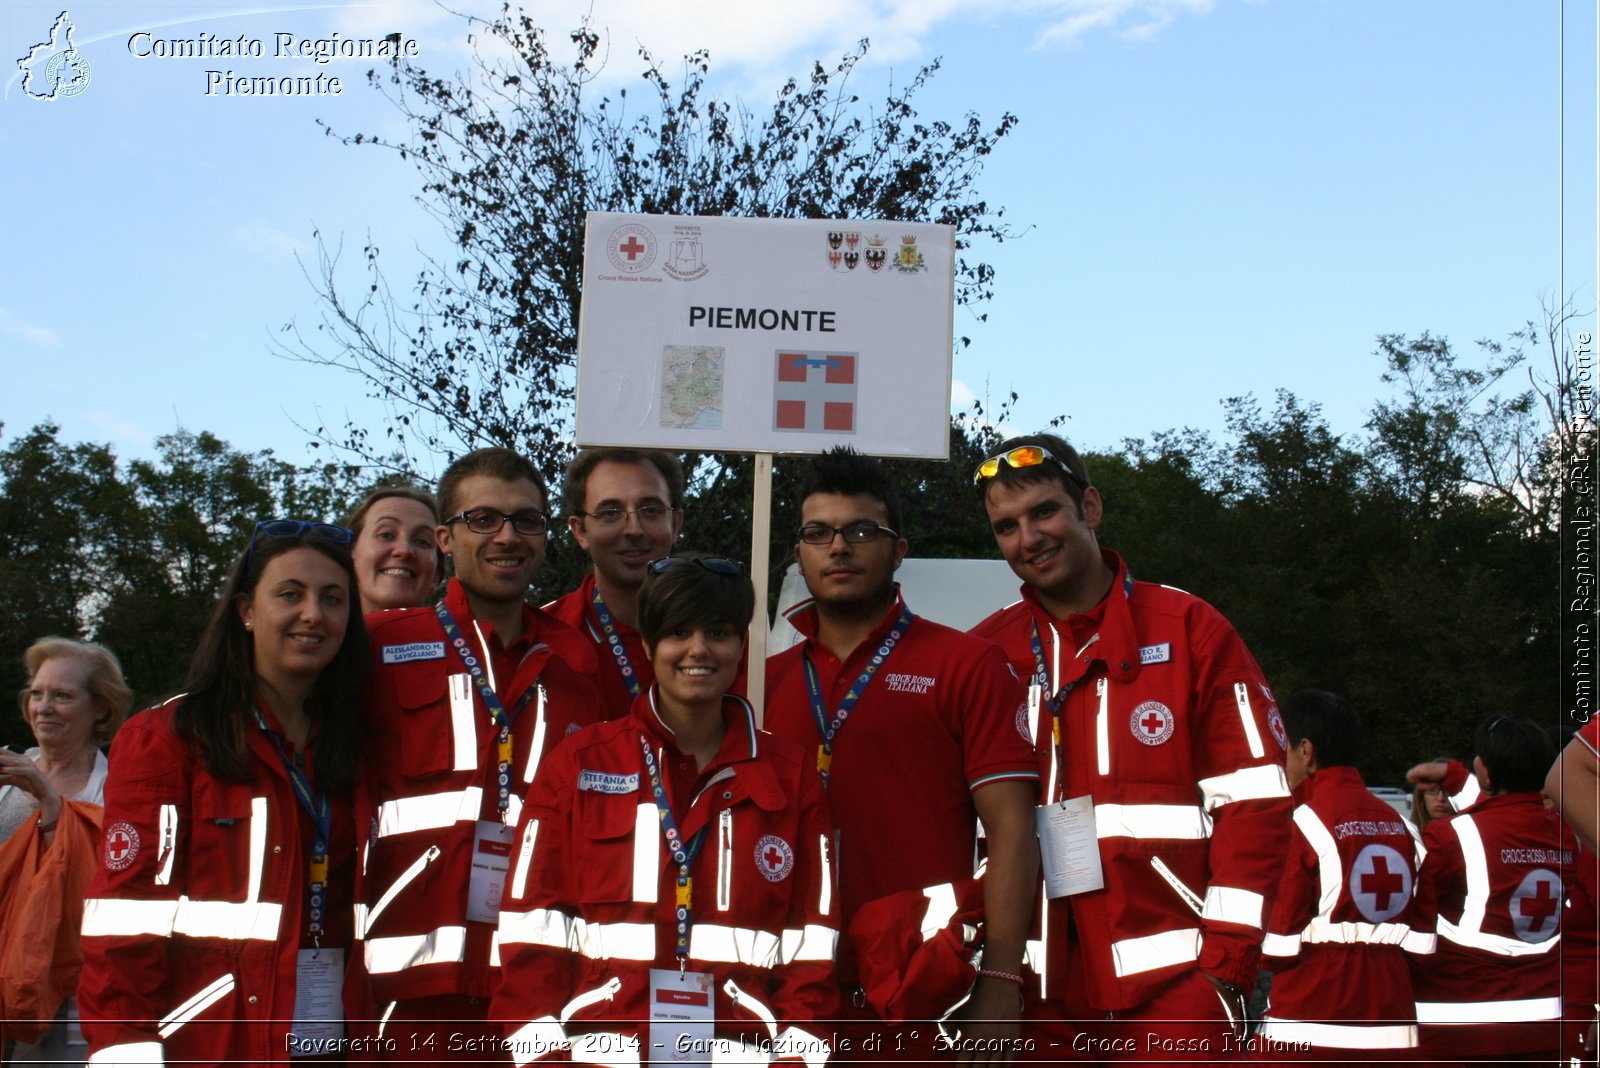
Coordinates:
682 1017
318 1001
491 859
1069 848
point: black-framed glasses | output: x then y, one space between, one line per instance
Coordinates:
857 533
1020 457
530 523
293 528
717 565
649 515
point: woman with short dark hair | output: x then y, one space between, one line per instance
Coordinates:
676 856
219 927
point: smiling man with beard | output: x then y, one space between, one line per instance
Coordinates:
468 697
911 759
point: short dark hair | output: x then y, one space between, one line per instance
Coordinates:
507 465
357 520
1515 752
1071 465
845 471
575 482
215 714
688 595
1328 720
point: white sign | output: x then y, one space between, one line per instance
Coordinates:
766 335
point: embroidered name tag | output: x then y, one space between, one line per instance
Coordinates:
608 782
1155 654
400 654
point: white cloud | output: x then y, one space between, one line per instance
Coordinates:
259 237
32 333
1131 20
122 432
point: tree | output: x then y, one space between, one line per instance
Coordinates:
132 554
512 156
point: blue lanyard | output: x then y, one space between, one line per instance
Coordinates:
683 853
1042 675
315 802
491 700
829 728
630 677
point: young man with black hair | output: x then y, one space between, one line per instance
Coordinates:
1162 753
468 696
1488 909
1342 983
915 728
624 508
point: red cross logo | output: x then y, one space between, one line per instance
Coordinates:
774 858
1381 883
1152 723
121 845
1536 906
632 248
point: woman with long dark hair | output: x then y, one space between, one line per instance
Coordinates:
219 926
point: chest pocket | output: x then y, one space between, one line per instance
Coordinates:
434 732
227 843
617 847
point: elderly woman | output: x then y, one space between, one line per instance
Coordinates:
219 927
74 701
671 881
396 554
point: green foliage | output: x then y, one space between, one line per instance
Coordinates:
132 554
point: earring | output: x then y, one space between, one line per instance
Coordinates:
247 624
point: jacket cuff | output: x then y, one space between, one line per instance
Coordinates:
535 1040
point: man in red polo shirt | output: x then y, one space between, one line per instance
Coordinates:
624 508
915 728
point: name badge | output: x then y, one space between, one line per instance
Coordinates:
401 654
318 1002
682 1017
1155 654
608 782
491 859
1069 849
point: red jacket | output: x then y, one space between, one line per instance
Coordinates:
1343 909
576 610
593 890
434 779
1488 920
1167 723
194 922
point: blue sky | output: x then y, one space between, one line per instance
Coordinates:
1219 196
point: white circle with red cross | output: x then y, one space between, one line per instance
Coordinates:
631 248
1536 906
1380 883
774 858
1275 725
121 844
1152 723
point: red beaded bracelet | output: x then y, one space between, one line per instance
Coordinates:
992 974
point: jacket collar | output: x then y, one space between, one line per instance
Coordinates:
1113 642
736 761
803 617
1335 778
543 635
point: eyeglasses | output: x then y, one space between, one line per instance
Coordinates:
649 515
717 565
1024 456
530 524
293 528
858 533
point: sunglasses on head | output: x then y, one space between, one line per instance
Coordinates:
1024 456
717 565
293 528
